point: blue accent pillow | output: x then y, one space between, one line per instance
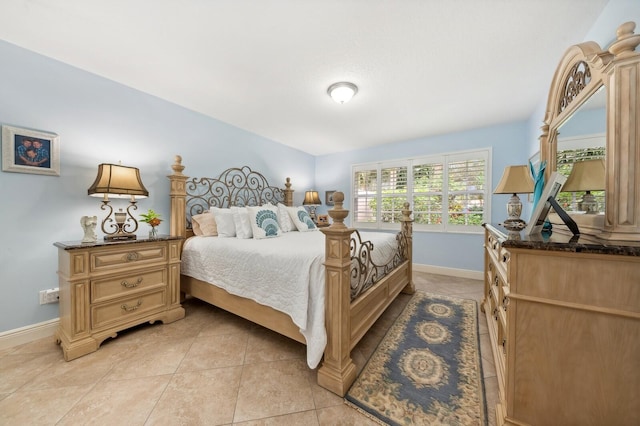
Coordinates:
264 221
301 219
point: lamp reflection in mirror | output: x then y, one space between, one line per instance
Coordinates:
312 199
118 181
515 180
586 176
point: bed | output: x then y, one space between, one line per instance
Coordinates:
357 285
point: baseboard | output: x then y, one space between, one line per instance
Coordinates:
452 272
22 335
19 336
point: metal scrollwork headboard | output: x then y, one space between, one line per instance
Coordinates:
234 187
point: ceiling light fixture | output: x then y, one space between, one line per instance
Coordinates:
342 92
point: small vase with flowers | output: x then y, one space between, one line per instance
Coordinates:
153 219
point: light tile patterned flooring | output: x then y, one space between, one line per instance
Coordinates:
211 368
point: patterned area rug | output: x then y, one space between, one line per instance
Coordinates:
427 370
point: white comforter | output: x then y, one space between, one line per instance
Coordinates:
285 273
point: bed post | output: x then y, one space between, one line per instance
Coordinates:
407 234
178 196
288 193
338 371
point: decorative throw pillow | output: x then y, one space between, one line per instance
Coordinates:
284 220
264 221
224 221
204 224
301 219
242 222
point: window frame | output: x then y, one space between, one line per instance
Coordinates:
483 154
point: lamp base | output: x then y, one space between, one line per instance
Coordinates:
514 224
312 213
589 205
120 237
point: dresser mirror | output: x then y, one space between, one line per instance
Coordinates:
595 94
582 137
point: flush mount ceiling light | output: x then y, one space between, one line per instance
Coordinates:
342 92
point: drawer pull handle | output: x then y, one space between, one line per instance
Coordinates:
131 308
132 257
127 284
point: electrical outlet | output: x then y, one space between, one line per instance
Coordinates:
51 295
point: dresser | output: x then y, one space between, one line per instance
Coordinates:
564 323
106 287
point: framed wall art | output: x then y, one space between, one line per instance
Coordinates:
30 151
329 198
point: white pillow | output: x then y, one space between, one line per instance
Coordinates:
284 220
264 221
224 222
204 224
242 223
301 219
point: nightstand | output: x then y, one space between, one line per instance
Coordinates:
106 287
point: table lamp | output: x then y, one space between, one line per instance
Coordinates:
586 176
312 199
118 181
515 180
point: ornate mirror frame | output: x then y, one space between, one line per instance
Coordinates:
583 70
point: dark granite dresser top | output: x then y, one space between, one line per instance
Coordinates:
74 245
561 242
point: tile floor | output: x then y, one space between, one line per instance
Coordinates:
211 368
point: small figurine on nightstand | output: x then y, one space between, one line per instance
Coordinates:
89 226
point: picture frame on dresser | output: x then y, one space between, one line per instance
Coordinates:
323 220
541 210
30 151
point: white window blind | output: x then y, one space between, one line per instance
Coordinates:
466 181
365 190
445 192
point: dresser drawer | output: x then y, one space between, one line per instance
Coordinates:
130 255
124 285
127 309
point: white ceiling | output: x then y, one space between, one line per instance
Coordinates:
423 67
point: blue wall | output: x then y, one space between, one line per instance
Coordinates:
101 121
437 248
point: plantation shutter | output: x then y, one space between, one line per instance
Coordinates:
393 188
365 193
466 187
427 193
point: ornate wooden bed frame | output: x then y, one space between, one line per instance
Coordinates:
346 320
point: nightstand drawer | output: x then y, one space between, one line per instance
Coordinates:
124 285
132 255
127 309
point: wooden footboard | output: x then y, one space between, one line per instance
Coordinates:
346 321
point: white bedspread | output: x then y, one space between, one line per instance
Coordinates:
285 273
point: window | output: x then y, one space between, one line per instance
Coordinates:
445 192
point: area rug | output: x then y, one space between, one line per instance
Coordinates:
427 369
